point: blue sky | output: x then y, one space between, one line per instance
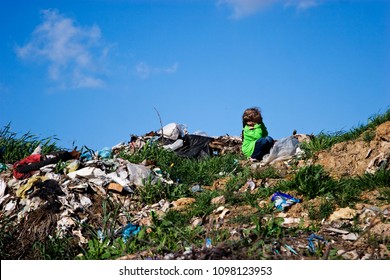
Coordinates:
95 72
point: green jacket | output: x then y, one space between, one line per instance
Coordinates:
250 136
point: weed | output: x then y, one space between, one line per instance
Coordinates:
233 185
202 205
187 171
56 248
104 242
385 194
167 236
59 167
266 227
268 172
310 181
324 141
17 148
323 211
7 236
153 192
368 135
349 189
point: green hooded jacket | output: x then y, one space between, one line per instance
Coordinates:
250 136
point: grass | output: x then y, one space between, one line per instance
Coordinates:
313 181
56 248
16 147
186 171
324 141
7 236
310 181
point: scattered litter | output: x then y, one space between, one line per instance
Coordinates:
3 196
173 131
379 162
283 201
139 174
276 247
87 172
349 255
72 166
10 206
85 201
251 185
208 243
105 153
291 249
283 149
86 156
175 145
130 230
291 220
223 214
21 192
218 200
351 236
197 222
196 188
311 239
3 167
336 230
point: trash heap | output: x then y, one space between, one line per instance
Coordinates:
60 193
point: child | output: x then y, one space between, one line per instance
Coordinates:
255 140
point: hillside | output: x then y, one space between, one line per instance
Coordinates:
139 200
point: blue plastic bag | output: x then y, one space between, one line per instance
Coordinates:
105 153
282 200
3 167
86 156
311 239
130 230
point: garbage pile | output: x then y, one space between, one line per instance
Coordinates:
57 194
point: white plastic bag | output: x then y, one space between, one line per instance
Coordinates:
173 131
282 149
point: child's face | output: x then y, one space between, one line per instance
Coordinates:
250 123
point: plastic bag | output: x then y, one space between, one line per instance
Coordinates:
173 131
283 148
105 153
283 201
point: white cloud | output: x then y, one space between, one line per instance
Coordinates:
243 8
143 70
71 51
302 4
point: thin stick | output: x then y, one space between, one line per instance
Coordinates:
159 117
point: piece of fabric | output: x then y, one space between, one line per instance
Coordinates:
22 190
250 136
18 171
24 169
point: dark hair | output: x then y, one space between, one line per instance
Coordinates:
252 115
